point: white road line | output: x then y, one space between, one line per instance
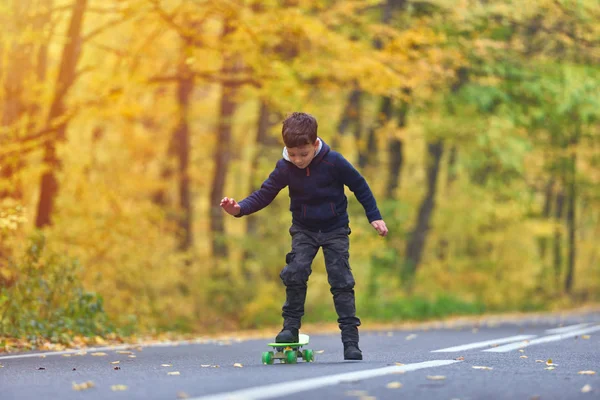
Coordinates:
545 339
564 329
280 390
477 345
95 349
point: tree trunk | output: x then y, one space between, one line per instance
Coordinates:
571 222
548 198
181 135
395 149
351 117
558 260
66 77
222 153
365 155
416 242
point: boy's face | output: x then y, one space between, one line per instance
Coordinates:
301 156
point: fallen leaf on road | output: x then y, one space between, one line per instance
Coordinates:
523 357
83 385
320 351
586 389
173 373
356 393
238 365
115 362
124 352
166 365
205 365
585 336
399 364
551 364
99 354
43 356
587 372
540 361
131 356
549 368
480 367
394 385
66 355
118 388
436 377
411 336
461 358
183 395
521 351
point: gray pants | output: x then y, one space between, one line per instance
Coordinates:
305 245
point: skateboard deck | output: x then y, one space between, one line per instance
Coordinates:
288 353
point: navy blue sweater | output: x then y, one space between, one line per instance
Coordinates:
318 202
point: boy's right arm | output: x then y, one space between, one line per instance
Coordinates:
277 180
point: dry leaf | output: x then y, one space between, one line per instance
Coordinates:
131 356
436 377
356 393
124 352
551 364
521 351
238 365
173 373
411 336
461 358
587 372
118 388
166 365
399 364
66 355
43 356
99 354
205 365
539 361
585 336
549 368
320 351
115 362
586 389
523 357
83 385
394 385
183 395
480 367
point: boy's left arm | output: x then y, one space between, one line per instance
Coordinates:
359 186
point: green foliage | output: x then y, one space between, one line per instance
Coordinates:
419 308
47 298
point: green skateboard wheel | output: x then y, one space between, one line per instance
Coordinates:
267 358
308 355
291 357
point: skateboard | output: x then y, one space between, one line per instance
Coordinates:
288 353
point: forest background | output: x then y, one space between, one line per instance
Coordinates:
124 122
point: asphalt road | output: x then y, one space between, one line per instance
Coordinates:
498 359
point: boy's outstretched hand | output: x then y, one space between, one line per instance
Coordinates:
231 206
380 227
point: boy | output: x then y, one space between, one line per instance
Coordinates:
316 176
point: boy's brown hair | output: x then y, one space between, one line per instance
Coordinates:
299 129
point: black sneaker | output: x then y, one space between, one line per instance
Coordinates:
289 335
351 351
